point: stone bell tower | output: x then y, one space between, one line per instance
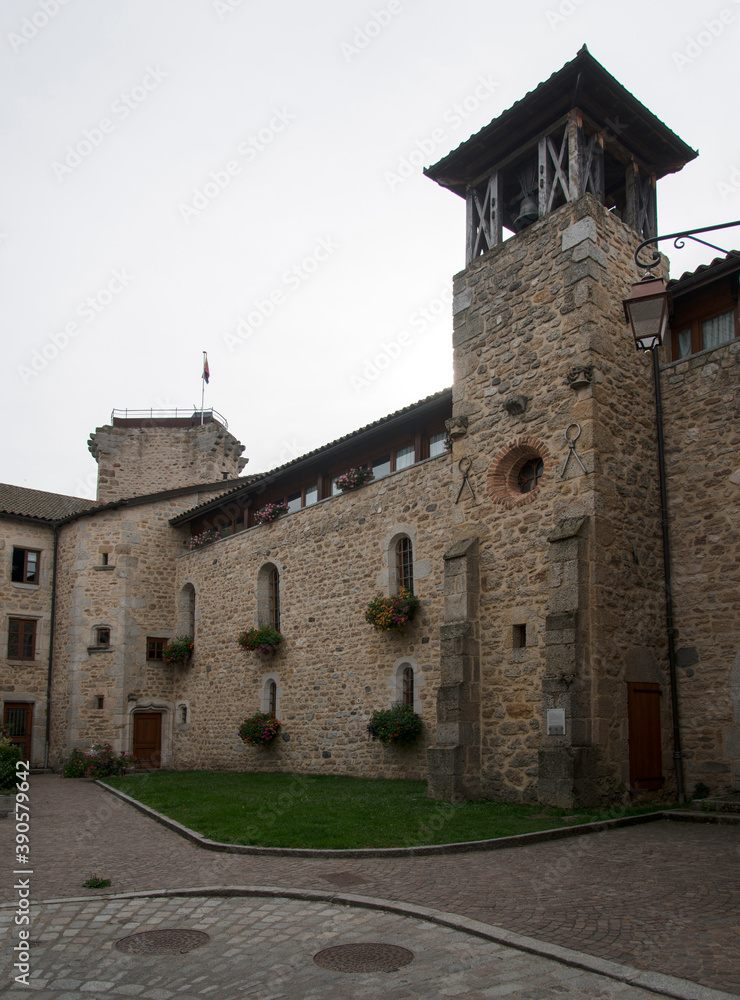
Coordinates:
553 584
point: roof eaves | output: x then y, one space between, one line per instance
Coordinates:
268 477
718 268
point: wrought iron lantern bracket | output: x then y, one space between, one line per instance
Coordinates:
679 241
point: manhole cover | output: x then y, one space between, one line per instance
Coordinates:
364 957
171 941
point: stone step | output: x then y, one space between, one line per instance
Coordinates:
730 804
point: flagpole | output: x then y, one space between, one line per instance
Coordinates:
203 389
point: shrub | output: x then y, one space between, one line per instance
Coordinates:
259 729
179 650
399 724
100 762
10 754
354 478
264 638
76 766
392 613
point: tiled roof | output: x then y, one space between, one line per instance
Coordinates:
435 397
584 83
51 507
36 503
732 260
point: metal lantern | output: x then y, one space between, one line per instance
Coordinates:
646 310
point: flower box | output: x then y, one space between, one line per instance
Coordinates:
392 614
259 729
204 538
263 638
397 725
270 512
179 650
353 479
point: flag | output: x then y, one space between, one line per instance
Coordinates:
206 369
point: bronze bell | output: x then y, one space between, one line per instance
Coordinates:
528 213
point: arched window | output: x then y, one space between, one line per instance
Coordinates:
270 694
268 596
405 564
407 686
274 598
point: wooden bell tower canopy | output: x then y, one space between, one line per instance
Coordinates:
580 131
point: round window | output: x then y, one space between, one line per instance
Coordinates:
530 474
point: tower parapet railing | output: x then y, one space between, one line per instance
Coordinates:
193 413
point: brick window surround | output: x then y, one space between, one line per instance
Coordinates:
502 481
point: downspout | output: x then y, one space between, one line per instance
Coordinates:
51 645
677 755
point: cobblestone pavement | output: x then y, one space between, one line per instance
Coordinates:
264 949
661 896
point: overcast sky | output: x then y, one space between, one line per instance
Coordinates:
244 177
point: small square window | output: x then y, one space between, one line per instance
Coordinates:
520 636
102 636
684 342
25 567
103 558
717 330
405 457
382 466
99 702
155 649
21 639
436 444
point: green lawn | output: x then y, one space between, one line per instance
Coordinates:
284 810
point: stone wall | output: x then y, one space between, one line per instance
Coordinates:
530 315
333 670
25 680
701 398
134 595
139 457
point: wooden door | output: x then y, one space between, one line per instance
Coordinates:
18 717
646 760
147 739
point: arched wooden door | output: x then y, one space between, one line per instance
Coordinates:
147 748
